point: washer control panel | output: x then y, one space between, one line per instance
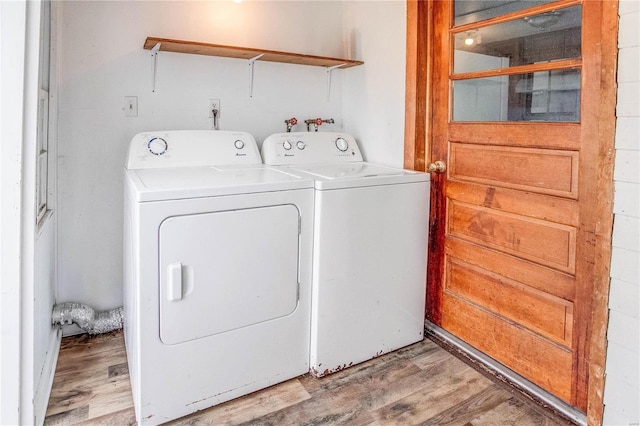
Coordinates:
192 148
157 146
310 147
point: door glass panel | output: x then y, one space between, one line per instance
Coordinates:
539 96
549 36
468 11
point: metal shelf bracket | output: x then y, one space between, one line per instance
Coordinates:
154 54
329 70
252 62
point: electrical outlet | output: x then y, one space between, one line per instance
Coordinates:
214 104
130 106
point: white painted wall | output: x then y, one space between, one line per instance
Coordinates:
100 65
621 394
373 95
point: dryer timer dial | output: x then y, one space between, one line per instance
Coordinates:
157 146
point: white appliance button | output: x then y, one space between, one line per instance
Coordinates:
301 145
287 145
157 146
239 144
342 144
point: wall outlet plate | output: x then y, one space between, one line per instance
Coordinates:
130 106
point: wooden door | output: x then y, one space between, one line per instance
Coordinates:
520 219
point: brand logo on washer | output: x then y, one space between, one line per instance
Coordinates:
289 155
240 155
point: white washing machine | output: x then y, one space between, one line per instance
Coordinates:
217 271
369 249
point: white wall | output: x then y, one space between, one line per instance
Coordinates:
102 61
621 394
373 111
99 67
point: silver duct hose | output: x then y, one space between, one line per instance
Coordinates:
86 318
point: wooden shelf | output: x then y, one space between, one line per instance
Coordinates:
197 48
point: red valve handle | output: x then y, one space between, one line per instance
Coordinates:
318 121
293 121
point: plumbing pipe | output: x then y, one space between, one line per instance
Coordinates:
215 113
86 318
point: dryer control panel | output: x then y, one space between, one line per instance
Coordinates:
310 147
191 148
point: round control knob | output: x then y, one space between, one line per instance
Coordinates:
157 146
342 144
287 145
239 144
301 145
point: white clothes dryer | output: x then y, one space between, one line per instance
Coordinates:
369 249
217 253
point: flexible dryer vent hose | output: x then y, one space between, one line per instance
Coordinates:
86 318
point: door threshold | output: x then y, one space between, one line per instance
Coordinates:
497 370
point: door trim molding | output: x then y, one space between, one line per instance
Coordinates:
604 114
418 84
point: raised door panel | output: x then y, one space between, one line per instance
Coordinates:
545 171
525 272
535 310
548 366
547 243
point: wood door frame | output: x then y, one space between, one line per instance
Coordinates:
600 41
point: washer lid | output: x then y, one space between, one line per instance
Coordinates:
198 182
337 176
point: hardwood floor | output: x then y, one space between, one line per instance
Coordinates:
420 384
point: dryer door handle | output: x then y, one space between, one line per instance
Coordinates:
174 279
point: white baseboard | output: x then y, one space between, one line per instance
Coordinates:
43 388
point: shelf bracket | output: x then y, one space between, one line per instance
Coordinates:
154 53
252 62
329 70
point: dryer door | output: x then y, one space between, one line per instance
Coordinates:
221 271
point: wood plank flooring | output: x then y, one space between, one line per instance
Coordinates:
421 384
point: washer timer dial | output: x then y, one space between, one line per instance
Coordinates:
342 144
157 146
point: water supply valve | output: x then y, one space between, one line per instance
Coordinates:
317 122
290 123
